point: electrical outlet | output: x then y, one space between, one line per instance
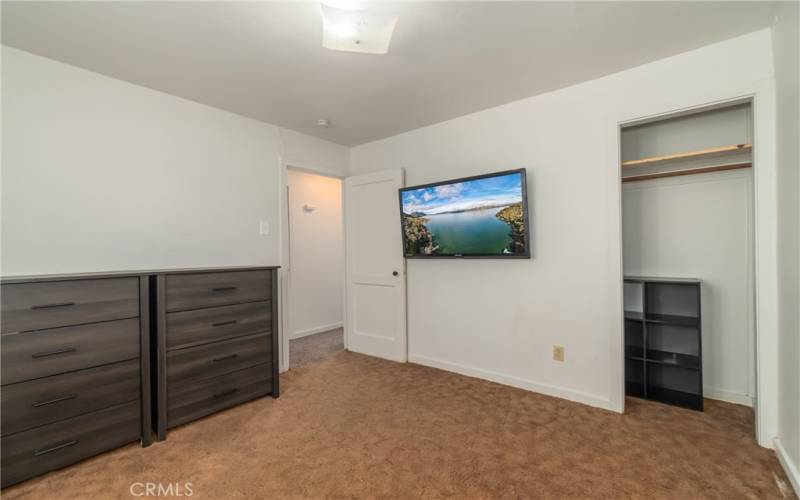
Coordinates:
558 352
263 228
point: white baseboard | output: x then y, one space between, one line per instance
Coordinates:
728 397
514 381
790 467
315 330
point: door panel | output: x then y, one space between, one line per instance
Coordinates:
376 297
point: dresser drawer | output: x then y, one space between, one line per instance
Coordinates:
47 400
210 360
36 306
202 326
30 453
195 291
42 353
197 399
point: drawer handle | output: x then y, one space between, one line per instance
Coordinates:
50 306
54 448
62 350
225 393
224 288
223 323
225 358
54 400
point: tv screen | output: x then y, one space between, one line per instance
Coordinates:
482 216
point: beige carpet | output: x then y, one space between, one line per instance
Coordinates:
359 427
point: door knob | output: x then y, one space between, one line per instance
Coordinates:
395 273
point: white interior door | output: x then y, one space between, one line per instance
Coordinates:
375 277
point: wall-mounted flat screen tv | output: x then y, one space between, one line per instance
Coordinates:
481 216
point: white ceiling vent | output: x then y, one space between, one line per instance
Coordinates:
357 30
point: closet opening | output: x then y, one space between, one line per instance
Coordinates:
688 258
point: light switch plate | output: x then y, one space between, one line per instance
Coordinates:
263 227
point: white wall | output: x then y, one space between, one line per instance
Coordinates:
786 41
500 319
100 174
304 151
700 226
316 272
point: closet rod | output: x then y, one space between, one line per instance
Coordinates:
688 171
710 152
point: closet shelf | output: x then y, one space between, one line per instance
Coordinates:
702 153
687 171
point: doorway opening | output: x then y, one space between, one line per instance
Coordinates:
688 229
314 279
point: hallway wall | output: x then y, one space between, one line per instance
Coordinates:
316 254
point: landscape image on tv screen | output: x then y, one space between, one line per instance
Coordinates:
484 216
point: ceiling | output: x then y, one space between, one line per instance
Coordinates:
265 60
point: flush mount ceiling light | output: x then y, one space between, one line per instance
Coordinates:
356 30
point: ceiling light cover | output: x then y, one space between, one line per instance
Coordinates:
357 30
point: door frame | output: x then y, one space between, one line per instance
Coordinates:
285 255
761 95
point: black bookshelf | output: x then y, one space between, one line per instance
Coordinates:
663 342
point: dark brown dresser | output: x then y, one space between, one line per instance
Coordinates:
75 369
91 362
217 341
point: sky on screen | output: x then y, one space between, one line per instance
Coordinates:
487 192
